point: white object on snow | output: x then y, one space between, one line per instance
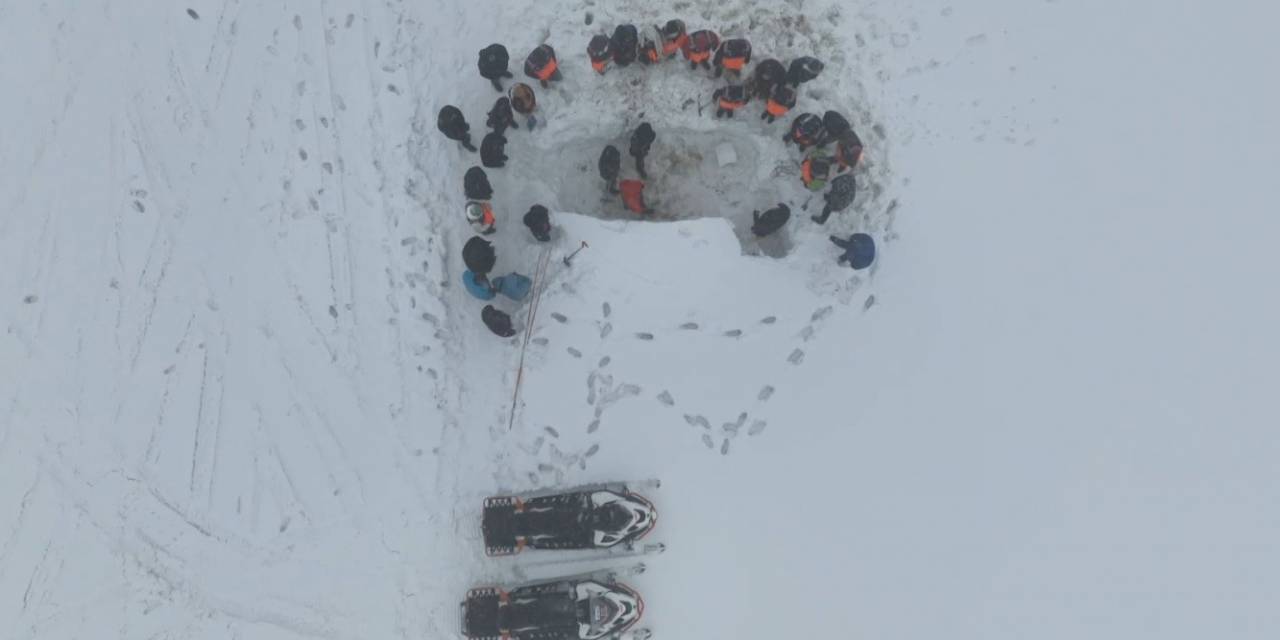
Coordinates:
726 154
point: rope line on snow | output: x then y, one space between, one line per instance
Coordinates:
539 275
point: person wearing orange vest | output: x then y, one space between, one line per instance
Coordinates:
699 47
633 196
729 99
649 52
733 55
673 37
767 74
542 65
480 216
780 102
806 131
599 52
814 171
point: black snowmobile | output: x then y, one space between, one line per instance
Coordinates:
588 607
596 517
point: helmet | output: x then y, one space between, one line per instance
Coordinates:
475 211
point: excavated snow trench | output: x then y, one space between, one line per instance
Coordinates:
686 180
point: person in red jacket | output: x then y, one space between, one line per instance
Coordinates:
673 37
699 47
633 196
542 65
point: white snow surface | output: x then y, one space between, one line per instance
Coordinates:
243 394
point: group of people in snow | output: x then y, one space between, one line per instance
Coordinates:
828 143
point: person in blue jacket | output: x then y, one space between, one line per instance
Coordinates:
859 250
478 285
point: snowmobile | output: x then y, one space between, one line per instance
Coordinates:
596 517
588 607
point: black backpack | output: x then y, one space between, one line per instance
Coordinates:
478 255
476 184
493 61
450 120
493 150
624 43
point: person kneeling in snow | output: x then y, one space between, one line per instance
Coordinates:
859 250
843 190
772 220
498 322
729 99
539 223
512 285
610 164
480 217
493 150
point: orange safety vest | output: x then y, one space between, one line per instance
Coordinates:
806 171
731 105
651 53
488 218
599 65
734 64
632 194
775 109
546 72
669 48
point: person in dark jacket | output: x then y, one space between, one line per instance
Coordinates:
733 56
493 64
476 184
836 126
524 102
781 100
806 131
454 126
542 65
859 250
501 117
699 47
803 70
600 52
649 52
673 37
625 44
768 74
493 152
497 322
843 190
729 99
539 223
610 165
478 255
848 151
771 221
641 139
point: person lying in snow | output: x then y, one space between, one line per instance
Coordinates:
493 64
859 250
771 221
454 126
539 223
497 321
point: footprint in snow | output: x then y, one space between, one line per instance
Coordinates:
552 431
796 357
533 478
302 153
591 451
724 447
351 18
541 342
595 424
756 427
697 421
871 302
689 326
806 333
706 439
734 333
574 352
606 330
297 22
666 399
559 318
196 16
137 206
608 310
644 335
766 392
821 313
769 320
604 362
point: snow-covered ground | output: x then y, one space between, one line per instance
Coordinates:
243 394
